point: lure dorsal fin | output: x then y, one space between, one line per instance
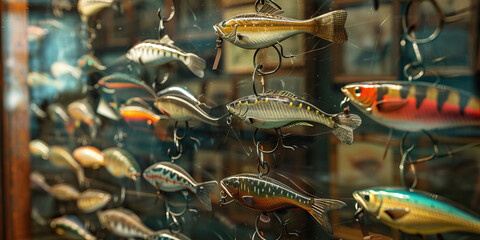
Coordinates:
248 200
269 8
391 105
282 93
166 40
396 213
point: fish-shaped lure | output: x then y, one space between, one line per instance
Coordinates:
70 227
38 180
88 156
414 106
88 8
64 192
267 194
266 28
183 106
169 177
416 212
91 200
121 163
153 53
81 110
275 109
60 117
90 64
60 157
39 148
125 223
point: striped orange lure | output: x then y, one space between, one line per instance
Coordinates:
409 106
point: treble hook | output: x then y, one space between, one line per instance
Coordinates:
176 141
163 20
258 2
282 223
279 142
257 69
403 162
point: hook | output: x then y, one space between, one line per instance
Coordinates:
223 199
408 30
176 141
263 166
279 142
260 73
258 2
163 20
403 162
424 159
282 223
257 67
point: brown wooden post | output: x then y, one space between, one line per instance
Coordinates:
15 127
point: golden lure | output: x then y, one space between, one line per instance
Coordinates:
416 212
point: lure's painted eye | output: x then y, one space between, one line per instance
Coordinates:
358 91
236 184
367 198
224 23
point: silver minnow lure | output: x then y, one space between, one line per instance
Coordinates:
276 109
121 163
182 106
153 53
169 177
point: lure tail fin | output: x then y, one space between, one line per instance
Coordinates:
203 193
319 210
195 64
344 125
331 26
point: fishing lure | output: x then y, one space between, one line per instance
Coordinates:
90 64
266 28
180 105
88 8
153 53
89 156
414 106
125 223
60 68
416 212
169 177
64 192
91 200
39 148
81 110
60 157
70 227
276 109
266 194
38 179
136 115
121 163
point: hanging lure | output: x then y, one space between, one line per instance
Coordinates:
121 163
416 212
169 177
267 28
90 64
59 116
38 180
80 110
38 147
153 53
266 194
276 109
64 192
61 68
89 157
139 116
180 105
125 223
60 157
88 8
91 200
70 227
414 106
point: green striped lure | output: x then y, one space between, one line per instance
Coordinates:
276 109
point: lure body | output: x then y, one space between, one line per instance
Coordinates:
409 106
275 109
153 53
60 157
136 114
81 110
266 28
266 194
182 106
124 223
91 200
121 163
89 156
38 180
90 64
416 212
70 227
169 177
64 192
39 148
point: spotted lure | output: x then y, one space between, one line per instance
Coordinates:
276 109
266 28
414 106
169 177
266 194
153 53
416 212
